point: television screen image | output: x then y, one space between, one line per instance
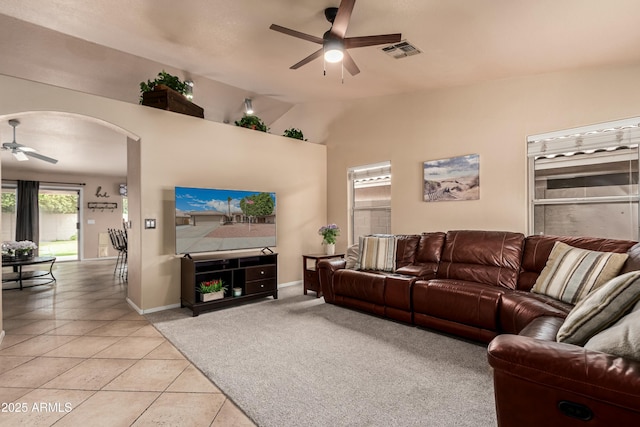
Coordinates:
209 220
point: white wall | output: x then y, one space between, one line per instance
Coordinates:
491 119
175 149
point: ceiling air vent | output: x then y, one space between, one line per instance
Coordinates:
401 50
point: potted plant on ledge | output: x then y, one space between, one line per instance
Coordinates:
168 92
252 122
294 133
212 290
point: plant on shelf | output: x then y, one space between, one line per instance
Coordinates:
252 122
211 286
212 290
166 79
294 133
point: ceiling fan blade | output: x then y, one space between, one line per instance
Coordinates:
340 24
41 157
19 155
23 148
352 42
297 34
314 55
350 64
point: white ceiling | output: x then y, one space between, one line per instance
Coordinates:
81 146
462 42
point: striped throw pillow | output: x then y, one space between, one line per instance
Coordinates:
601 309
377 253
571 273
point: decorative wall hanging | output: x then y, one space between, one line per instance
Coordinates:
101 206
99 192
456 178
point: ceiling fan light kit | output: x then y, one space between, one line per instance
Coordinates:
334 43
22 152
333 51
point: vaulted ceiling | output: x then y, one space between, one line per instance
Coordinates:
107 47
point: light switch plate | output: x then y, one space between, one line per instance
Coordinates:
150 223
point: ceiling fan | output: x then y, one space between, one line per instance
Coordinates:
334 43
20 151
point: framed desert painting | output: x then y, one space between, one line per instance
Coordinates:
456 178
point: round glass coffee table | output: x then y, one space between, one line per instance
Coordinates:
33 277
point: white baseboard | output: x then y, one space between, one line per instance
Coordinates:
134 306
151 310
170 306
165 307
294 283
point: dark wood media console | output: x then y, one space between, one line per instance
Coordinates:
253 275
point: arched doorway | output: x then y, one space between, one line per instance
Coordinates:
89 151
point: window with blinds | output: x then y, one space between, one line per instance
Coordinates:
370 196
584 181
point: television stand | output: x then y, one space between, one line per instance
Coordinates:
252 275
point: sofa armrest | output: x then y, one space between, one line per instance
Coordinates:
326 268
543 328
532 377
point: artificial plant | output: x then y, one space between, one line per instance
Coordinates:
252 122
166 79
294 133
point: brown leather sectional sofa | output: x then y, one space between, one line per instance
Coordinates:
476 284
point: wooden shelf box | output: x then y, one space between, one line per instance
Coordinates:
165 98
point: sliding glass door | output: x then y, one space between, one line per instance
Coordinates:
58 220
8 213
59 232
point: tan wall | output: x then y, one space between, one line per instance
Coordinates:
182 150
491 119
2 333
101 219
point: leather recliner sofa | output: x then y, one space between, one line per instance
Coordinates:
477 284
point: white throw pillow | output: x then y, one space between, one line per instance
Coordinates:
622 339
353 252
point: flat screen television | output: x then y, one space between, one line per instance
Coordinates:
210 220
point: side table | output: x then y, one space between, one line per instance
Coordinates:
310 279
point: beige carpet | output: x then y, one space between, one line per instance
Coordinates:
298 361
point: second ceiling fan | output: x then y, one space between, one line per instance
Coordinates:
22 152
334 43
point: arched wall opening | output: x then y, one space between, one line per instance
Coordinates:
80 127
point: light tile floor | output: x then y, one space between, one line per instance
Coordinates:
76 354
